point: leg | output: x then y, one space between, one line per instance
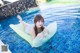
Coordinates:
22 22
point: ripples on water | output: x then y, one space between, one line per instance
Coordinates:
66 39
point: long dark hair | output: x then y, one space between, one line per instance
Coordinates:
38 18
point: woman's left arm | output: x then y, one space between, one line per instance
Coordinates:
43 33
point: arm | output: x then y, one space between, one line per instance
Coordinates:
43 33
32 33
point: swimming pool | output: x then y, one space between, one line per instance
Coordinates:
66 40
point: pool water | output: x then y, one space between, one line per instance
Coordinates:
66 39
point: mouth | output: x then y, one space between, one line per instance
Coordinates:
40 25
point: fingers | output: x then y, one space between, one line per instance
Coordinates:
43 36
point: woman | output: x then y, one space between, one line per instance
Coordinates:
37 28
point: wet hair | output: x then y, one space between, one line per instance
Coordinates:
38 18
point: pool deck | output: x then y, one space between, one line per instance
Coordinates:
1 43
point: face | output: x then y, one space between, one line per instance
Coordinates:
39 24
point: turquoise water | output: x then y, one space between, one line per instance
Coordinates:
66 39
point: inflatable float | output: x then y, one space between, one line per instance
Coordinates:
38 41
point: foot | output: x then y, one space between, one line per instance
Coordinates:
19 17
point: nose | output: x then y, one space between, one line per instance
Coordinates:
41 23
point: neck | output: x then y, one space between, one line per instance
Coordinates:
39 29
